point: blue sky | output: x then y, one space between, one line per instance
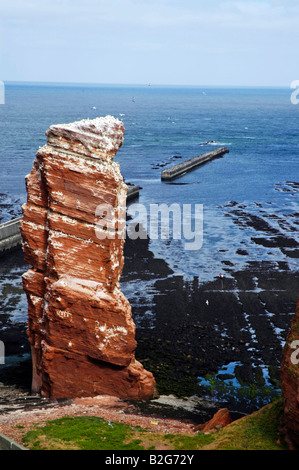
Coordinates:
184 42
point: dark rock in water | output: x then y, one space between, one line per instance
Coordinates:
162 164
288 187
242 252
225 376
208 143
291 253
279 241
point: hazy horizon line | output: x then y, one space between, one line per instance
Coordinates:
149 84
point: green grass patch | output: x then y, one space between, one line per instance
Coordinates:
82 433
258 431
92 433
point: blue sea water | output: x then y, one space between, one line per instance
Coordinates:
258 126
166 125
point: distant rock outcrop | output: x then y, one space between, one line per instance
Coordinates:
80 324
290 382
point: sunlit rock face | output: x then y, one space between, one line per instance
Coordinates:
80 324
290 382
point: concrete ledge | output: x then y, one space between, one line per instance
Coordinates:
9 444
10 243
182 168
10 228
133 191
10 235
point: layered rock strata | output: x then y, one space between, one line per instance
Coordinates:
80 324
290 382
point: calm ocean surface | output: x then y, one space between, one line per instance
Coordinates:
259 126
258 177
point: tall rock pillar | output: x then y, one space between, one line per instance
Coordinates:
80 324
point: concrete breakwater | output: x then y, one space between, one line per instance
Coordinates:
10 235
181 168
133 191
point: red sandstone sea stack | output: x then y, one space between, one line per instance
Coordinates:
290 382
80 324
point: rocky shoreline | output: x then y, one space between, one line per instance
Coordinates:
189 342
232 328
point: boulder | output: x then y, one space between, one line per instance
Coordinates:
221 419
